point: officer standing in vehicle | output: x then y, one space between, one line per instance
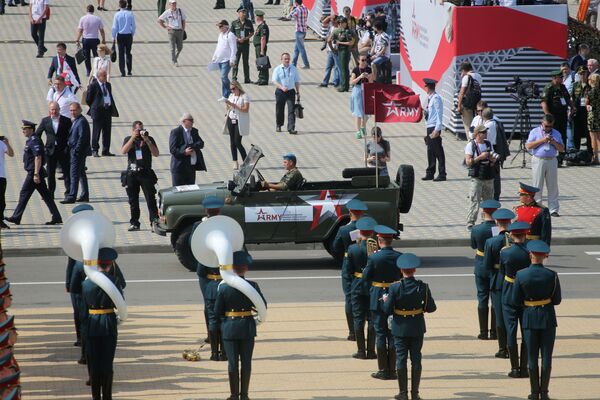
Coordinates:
479 234
407 302
140 147
381 271
556 100
341 242
238 327
359 289
537 216
537 289
260 41
243 29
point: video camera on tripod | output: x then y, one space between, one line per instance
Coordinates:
521 90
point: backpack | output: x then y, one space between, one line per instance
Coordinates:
501 147
472 94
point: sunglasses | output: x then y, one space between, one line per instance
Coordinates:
478 111
189 119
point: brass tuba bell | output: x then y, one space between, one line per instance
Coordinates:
372 246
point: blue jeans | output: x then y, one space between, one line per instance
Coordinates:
300 50
570 142
332 63
224 67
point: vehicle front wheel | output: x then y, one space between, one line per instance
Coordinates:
182 248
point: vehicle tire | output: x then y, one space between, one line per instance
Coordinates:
328 244
405 178
183 250
173 239
351 172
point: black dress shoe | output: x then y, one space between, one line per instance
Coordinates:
68 200
11 5
3 225
278 129
83 200
555 214
439 179
133 228
40 55
13 220
293 132
248 82
77 343
427 178
262 83
95 154
82 361
54 222
322 85
107 154
88 383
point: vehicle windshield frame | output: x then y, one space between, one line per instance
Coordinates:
241 176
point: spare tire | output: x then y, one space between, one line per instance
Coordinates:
405 178
352 172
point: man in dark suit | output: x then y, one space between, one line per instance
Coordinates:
57 129
79 148
186 146
102 109
61 63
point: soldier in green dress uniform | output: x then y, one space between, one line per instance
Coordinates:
537 290
340 245
238 327
556 100
344 39
243 29
581 88
260 40
407 301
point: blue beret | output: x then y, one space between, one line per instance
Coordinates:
503 213
356 205
385 230
490 204
519 226
408 261
213 202
523 188
538 246
366 224
107 254
82 207
242 258
290 157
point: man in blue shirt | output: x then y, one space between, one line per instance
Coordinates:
433 139
123 30
287 80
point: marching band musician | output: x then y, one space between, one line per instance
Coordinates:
340 245
408 298
380 273
537 216
357 260
238 327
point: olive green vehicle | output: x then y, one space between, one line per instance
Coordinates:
311 214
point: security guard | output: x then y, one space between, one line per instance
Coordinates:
407 302
33 160
479 234
260 40
359 290
512 260
340 245
344 39
491 263
537 216
208 279
101 329
234 310
556 100
243 29
537 289
381 271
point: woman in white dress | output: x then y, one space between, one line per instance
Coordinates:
238 120
101 62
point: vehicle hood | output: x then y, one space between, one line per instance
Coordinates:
192 194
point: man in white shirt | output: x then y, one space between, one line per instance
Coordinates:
477 120
381 51
61 94
470 81
490 121
173 20
38 12
5 148
433 139
224 55
91 28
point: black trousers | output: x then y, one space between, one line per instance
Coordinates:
89 45
125 43
29 186
281 100
560 124
38 32
2 197
580 129
183 177
243 52
235 140
497 184
435 151
102 125
141 180
100 356
60 157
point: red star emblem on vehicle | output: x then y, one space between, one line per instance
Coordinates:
326 205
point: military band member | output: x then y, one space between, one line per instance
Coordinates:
479 234
491 263
407 302
537 290
537 216
512 260
238 327
341 242
359 289
260 41
243 29
381 271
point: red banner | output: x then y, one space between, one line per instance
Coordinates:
397 107
369 90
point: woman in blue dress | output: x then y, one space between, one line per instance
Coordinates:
361 74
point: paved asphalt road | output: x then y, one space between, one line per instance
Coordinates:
284 276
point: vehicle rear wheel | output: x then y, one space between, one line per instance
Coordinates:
182 248
405 178
328 244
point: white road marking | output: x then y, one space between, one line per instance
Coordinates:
593 253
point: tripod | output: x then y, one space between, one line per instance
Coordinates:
522 125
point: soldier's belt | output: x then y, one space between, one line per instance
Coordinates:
358 274
101 311
496 266
537 303
240 314
346 254
408 313
480 253
213 277
533 237
509 279
381 284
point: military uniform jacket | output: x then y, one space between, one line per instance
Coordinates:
292 179
342 240
381 267
479 234
231 299
33 147
580 91
537 283
77 278
242 30
539 219
262 30
512 260
210 291
343 36
557 99
357 261
96 298
69 273
409 294
491 259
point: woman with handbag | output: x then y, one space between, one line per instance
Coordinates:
101 62
361 74
237 120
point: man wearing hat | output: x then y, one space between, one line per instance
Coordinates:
359 289
340 245
260 40
234 309
173 20
243 30
491 263
292 180
579 94
381 271
556 101
537 216
513 259
479 235
407 302
33 160
433 138
225 55
537 290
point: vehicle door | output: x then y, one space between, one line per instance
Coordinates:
268 216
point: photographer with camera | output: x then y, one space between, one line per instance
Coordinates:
556 100
140 148
481 162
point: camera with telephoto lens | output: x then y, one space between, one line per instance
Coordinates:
494 156
522 90
144 132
